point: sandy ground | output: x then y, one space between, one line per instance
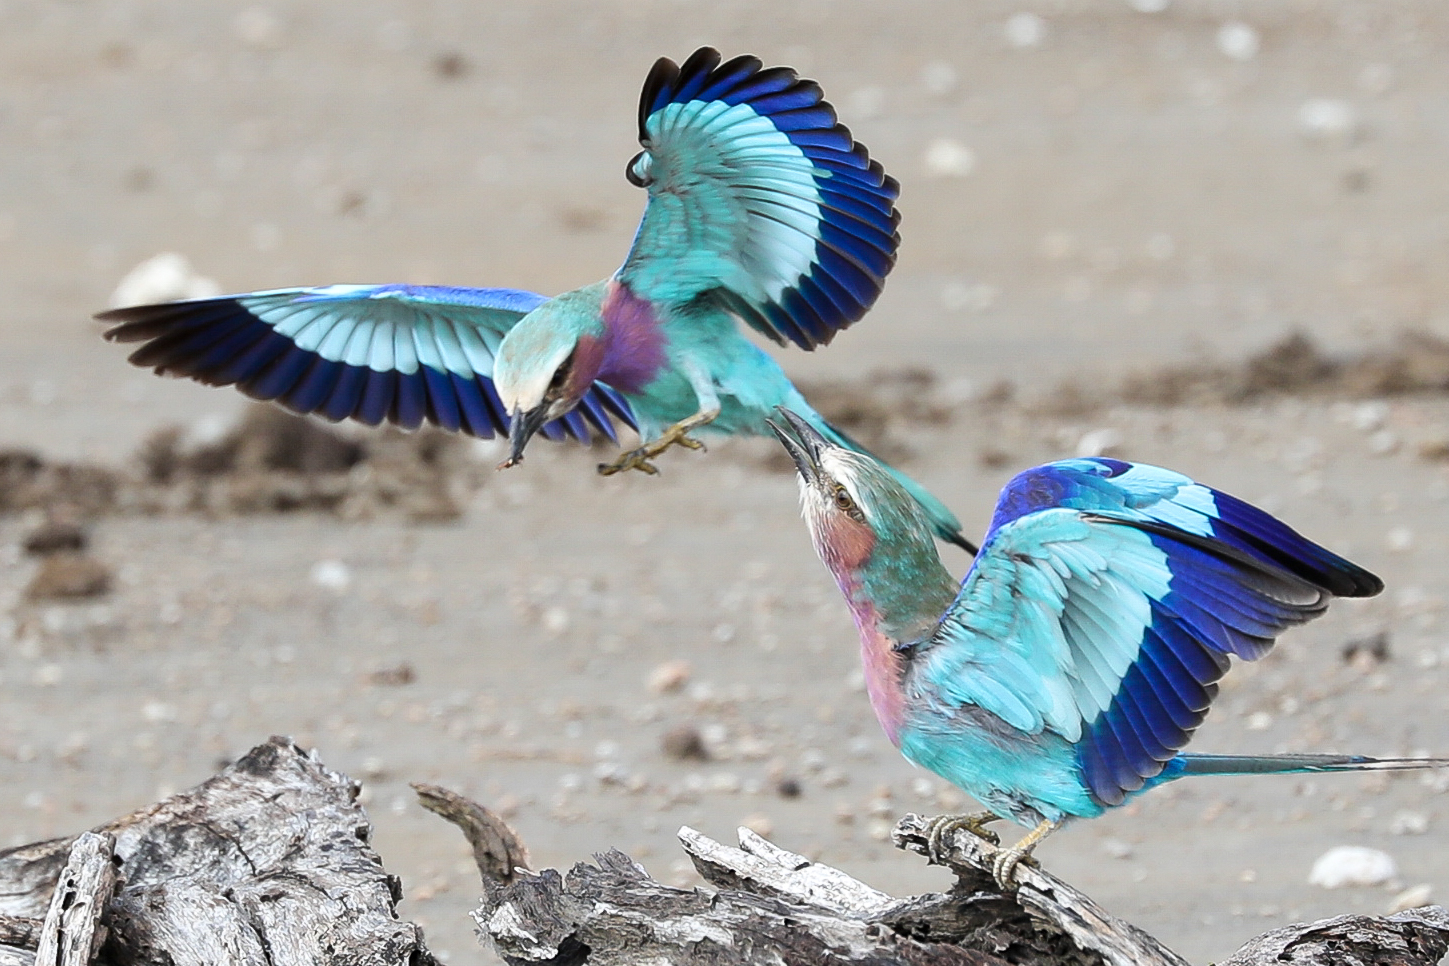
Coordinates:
1135 196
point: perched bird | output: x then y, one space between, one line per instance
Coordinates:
762 208
1070 667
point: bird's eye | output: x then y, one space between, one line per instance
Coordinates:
638 171
843 502
560 378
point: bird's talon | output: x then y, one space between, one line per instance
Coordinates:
635 459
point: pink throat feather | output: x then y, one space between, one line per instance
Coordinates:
845 545
882 664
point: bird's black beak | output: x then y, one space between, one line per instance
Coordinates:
801 441
521 428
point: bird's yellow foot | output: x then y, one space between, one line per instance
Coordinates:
676 435
1003 866
941 829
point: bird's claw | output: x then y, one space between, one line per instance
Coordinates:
1004 864
638 459
635 459
941 828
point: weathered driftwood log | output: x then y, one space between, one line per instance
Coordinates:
72 933
268 863
774 906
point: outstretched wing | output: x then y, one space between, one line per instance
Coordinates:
758 199
1106 601
400 353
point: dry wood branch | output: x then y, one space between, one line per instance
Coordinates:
1047 899
73 933
1418 937
774 906
497 849
266 863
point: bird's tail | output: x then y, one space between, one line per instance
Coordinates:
942 520
1184 765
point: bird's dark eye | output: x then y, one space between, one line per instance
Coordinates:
843 502
560 378
638 171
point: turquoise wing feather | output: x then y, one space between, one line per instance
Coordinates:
1104 605
758 200
405 354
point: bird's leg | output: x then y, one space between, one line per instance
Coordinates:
638 459
1003 867
940 829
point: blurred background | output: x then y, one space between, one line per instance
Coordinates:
1204 233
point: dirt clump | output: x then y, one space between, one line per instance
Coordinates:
69 576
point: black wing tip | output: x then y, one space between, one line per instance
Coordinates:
1354 581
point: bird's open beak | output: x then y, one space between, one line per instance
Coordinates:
801 441
522 426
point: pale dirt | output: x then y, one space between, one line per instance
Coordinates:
1137 197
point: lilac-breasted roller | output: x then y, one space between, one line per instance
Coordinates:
762 209
1067 671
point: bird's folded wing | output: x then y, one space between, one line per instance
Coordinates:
400 353
1111 628
758 199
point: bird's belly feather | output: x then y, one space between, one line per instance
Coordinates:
1019 776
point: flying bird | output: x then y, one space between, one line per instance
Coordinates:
762 209
1067 671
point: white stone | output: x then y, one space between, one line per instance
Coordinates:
1025 30
1099 442
162 278
1409 823
1352 865
938 78
1327 117
1238 40
1412 898
1399 539
331 575
949 158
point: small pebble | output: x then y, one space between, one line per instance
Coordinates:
1327 117
69 575
54 536
1238 41
395 676
162 278
949 158
331 575
1099 442
668 677
1025 30
760 824
1116 849
1352 865
1399 539
1412 898
788 788
938 78
684 743
1409 823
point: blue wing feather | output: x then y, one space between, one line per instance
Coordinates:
1125 588
400 353
779 208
